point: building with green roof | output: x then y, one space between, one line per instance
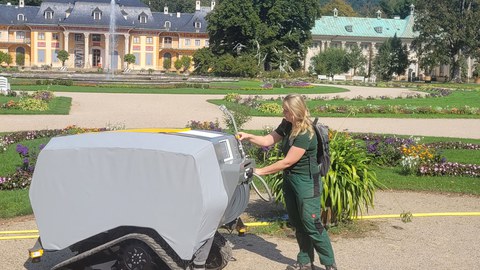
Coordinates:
367 33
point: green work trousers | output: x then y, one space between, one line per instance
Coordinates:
302 199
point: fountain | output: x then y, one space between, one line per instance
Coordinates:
112 42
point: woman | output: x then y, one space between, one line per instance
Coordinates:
301 185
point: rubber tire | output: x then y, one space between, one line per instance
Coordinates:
141 251
220 253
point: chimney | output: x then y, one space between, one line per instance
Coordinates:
165 10
412 9
379 14
178 14
21 3
212 5
197 5
335 12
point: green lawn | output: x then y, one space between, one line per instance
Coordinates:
58 105
218 89
456 99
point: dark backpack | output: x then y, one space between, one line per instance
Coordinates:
323 147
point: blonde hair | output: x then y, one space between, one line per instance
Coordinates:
301 123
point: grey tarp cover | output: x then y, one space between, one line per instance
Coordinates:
90 183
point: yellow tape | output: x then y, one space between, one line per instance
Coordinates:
19 237
18 232
156 130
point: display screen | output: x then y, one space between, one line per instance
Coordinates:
226 150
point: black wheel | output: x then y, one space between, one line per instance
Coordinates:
138 256
220 253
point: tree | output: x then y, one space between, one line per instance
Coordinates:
393 8
448 32
344 9
332 61
203 60
63 56
177 64
129 59
356 59
20 59
167 63
276 32
392 58
185 62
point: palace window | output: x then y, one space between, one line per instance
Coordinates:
207 43
136 40
167 40
197 42
20 17
168 24
55 36
79 37
41 55
54 56
41 36
149 40
149 59
137 58
20 35
96 37
187 42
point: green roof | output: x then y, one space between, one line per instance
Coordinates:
364 27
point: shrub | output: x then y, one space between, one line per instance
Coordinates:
232 97
350 184
205 125
32 104
240 113
43 95
271 108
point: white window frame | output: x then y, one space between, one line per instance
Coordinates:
143 19
48 15
20 17
20 35
97 15
41 36
136 40
187 42
149 40
197 42
168 24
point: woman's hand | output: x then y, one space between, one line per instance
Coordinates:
243 136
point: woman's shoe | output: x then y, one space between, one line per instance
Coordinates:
331 267
299 266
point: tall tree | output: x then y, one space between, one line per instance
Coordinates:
332 61
392 58
356 59
344 9
448 32
393 8
277 32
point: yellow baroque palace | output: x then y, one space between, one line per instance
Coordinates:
99 33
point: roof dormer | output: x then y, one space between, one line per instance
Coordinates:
168 24
124 14
20 17
378 29
48 13
97 14
349 28
142 17
197 25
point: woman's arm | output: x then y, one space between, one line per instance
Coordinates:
293 156
266 140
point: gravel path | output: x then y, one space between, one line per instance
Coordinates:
447 242
150 110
